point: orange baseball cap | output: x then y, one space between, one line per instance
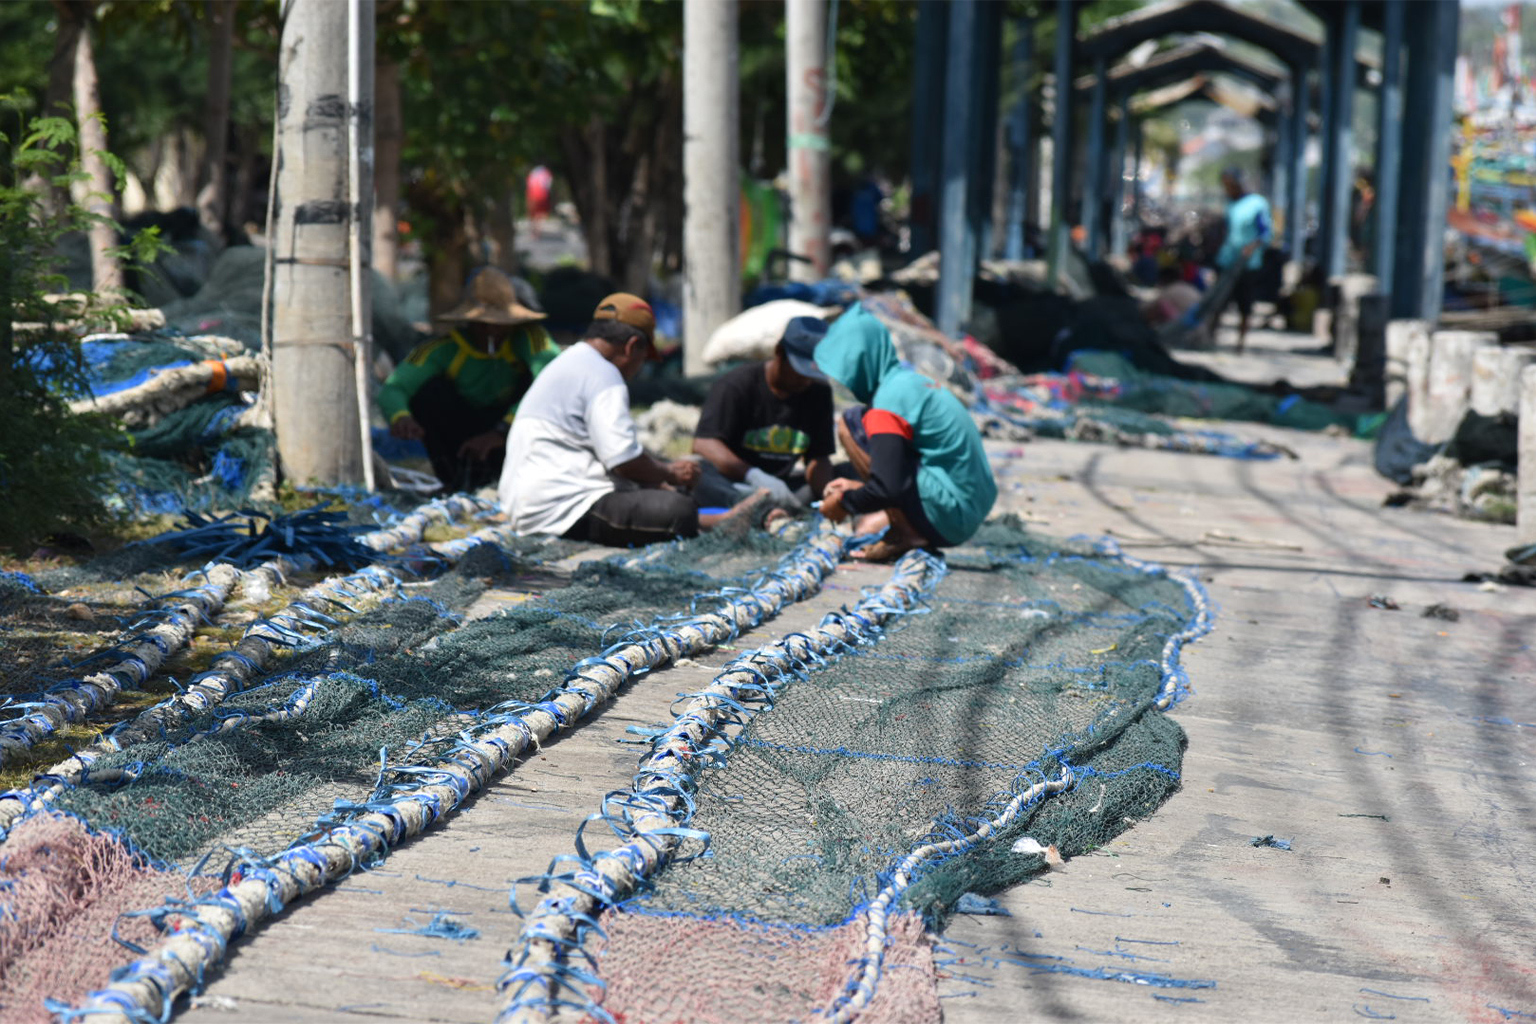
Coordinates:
634 311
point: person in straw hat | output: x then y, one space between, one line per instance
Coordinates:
458 393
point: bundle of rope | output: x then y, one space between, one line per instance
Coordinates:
173 389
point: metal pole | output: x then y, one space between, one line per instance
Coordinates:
314 384
1019 155
711 186
927 105
986 64
1093 184
1136 173
1440 69
1061 139
1118 236
1280 163
810 158
1389 145
360 33
1296 208
1340 169
955 226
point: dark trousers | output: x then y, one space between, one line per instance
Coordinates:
449 421
623 519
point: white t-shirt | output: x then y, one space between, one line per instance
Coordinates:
571 428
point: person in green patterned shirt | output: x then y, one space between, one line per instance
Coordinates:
457 393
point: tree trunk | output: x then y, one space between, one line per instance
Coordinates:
388 133
243 185
314 389
60 96
213 198
500 230
586 167
106 271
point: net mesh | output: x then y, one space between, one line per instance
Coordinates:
1033 656
260 770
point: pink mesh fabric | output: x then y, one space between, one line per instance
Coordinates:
61 891
680 970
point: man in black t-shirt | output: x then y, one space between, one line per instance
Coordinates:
762 420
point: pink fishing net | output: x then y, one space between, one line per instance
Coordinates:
61 891
685 970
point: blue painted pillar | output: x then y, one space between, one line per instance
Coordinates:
1136 175
1280 166
1339 172
1020 155
927 118
956 231
1424 196
1093 184
1118 235
1389 145
986 102
1061 138
1296 206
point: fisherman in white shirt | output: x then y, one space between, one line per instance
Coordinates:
574 465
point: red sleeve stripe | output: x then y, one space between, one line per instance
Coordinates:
881 421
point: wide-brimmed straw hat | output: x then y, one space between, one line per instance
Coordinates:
490 297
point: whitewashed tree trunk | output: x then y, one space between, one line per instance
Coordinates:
711 189
314 390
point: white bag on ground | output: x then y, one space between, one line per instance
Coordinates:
754 333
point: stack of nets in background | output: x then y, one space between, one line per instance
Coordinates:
205 455
1171 396
1077 406
1034 657
304 742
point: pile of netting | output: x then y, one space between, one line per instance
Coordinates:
391 674
1075 406
802 825
1138 390
193 435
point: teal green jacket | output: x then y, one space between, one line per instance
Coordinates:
954 478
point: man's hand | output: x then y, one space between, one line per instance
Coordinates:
1250 248
682 473
832 498
481 446
407 429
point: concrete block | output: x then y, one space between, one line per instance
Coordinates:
1496 379
1346 314
1399 341
1525 515
1449 387
1419 345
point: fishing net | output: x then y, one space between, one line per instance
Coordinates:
1033 657
1131 388
63 894
400 682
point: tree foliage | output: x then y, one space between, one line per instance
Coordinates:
51 468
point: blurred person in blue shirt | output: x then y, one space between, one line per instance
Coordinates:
1249 230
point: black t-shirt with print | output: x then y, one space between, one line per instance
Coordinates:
764 430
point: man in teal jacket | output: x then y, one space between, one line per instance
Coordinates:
923 468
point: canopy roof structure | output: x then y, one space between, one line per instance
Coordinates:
1179 63
1249 104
